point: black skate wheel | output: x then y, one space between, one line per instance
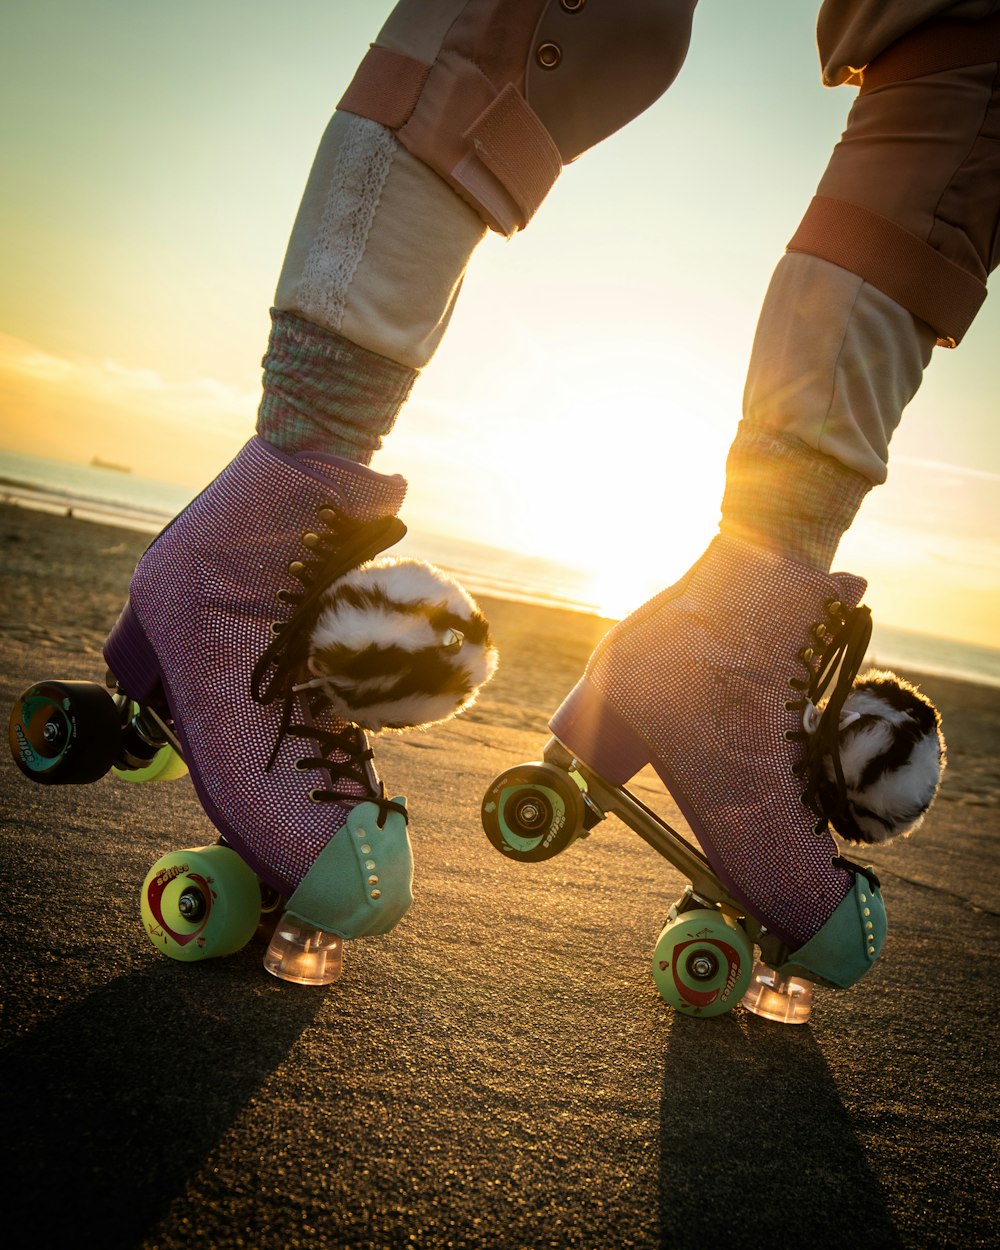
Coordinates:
64 732
532 812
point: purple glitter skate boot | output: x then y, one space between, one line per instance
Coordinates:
216 632
708 682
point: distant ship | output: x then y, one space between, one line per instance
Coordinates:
97 463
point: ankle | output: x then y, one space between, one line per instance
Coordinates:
325 393
783 495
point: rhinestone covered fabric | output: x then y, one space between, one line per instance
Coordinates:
205 596
698 684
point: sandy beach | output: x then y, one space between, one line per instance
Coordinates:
499 1071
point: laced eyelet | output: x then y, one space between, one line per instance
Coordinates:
276 628
831 674
283 596
314 796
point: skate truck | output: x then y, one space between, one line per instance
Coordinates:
703 962
879 773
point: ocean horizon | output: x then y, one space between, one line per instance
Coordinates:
113 495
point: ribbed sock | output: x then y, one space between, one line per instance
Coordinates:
783 495
325 393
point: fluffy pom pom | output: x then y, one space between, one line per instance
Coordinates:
397 644
892 752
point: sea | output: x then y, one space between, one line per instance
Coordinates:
114 495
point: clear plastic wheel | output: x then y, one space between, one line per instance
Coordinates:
532 812
702 962
200 904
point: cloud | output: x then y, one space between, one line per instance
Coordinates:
75 408
225 407
942 468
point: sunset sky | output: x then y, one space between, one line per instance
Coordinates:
152 158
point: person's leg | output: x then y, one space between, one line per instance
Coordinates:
890 258
459 119
371 274
709 681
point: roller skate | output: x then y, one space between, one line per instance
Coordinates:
261 642
739 686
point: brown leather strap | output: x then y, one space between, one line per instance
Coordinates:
385 87
934 48
505 144
514 145
905 268
497 95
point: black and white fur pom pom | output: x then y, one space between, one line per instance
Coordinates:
397 644
892 753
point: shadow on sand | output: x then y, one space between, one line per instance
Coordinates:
118 1100
756 1148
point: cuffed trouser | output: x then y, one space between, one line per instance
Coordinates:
380 245
438 138
893 252
460 118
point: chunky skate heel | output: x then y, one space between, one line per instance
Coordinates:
774 996
590 728
131 658
304 954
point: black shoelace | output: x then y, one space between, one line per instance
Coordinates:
274 676
838 665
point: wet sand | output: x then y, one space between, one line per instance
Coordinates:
499 1070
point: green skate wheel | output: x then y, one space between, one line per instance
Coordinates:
64 732
532 812
702 963
166 765
200 904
